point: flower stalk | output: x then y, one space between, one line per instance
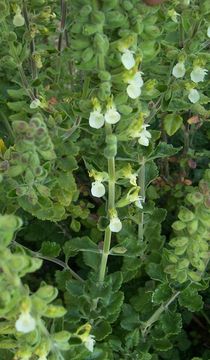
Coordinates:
111 206
141 183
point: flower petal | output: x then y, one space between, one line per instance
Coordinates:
25 323
194 96
133 91
112 116
96 119
115 224
179 70
97 189
127 59
143 140
198 74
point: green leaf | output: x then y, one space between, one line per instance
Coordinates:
161 294
75 245
102 330
151 172
162 344
172 123
51 249
130 318
171 323
190 299
164 150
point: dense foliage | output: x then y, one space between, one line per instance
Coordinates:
104 180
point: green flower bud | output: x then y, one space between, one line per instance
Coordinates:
179 241
90 29
204 187
115 19
62 336
87 54
181 276
180 250
101 43
86 10
111 148
178 225
204 216
195 198
54 311
183 264
98 17
47 293
104 76
194 276
185 214
76 28
105 90
192 226
80 43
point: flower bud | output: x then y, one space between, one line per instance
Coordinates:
18 20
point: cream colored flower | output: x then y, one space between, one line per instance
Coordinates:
96 119
194 96
112 116
98 189
115 224
25 323
144 136
198 74
208 31
135 85
179 70
89 342
18 19
127 59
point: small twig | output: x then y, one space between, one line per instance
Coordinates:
51 259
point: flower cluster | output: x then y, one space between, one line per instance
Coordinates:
197 75
135 83
97 118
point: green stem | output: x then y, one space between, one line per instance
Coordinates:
147 325
48 258
8 126
141 182
111 206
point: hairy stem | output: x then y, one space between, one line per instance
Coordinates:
141 183
111 206
147 325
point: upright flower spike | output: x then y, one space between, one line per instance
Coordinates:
112 116
135 84
115 224
98 189
144 136
25 323
198 74
194 96
127 59
179 70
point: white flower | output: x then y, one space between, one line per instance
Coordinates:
35 104
135 85
179 70
25 323
208 31
194 96
112 116
127 59
139 202
115 224
89 342
144 136
96 119
173 15
97 189
18 20
198 74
